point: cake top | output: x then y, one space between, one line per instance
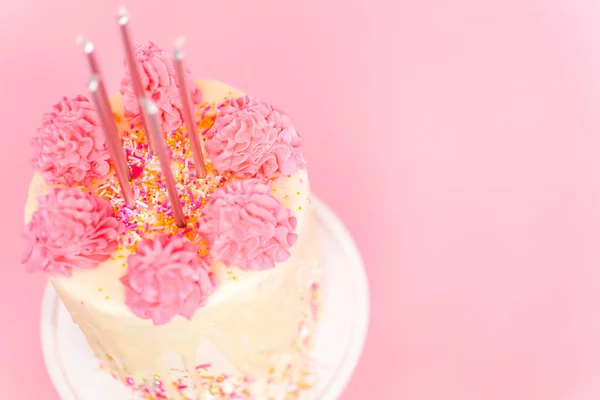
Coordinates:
230 214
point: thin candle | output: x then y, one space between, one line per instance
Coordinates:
112 132
138 87
88 49
115 151
160 148
188 114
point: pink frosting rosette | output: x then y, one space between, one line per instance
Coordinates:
247 227
71 229
251 138
166 277
70 147
159 79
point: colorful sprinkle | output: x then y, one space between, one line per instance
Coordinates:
153 214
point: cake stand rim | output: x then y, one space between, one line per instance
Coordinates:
50 352
362 311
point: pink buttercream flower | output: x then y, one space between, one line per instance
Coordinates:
70 148
71 229
166 278
247 227
251 138
159 79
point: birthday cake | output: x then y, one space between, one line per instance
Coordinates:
190 268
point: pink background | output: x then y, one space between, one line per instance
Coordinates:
458 140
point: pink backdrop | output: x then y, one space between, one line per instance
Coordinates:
457 139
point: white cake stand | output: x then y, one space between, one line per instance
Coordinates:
339 339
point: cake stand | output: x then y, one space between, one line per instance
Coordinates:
339 339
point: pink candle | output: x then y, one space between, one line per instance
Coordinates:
136 79
160 148
112 133
115 151
88 49
188 113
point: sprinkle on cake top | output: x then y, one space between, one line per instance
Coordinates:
153 214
